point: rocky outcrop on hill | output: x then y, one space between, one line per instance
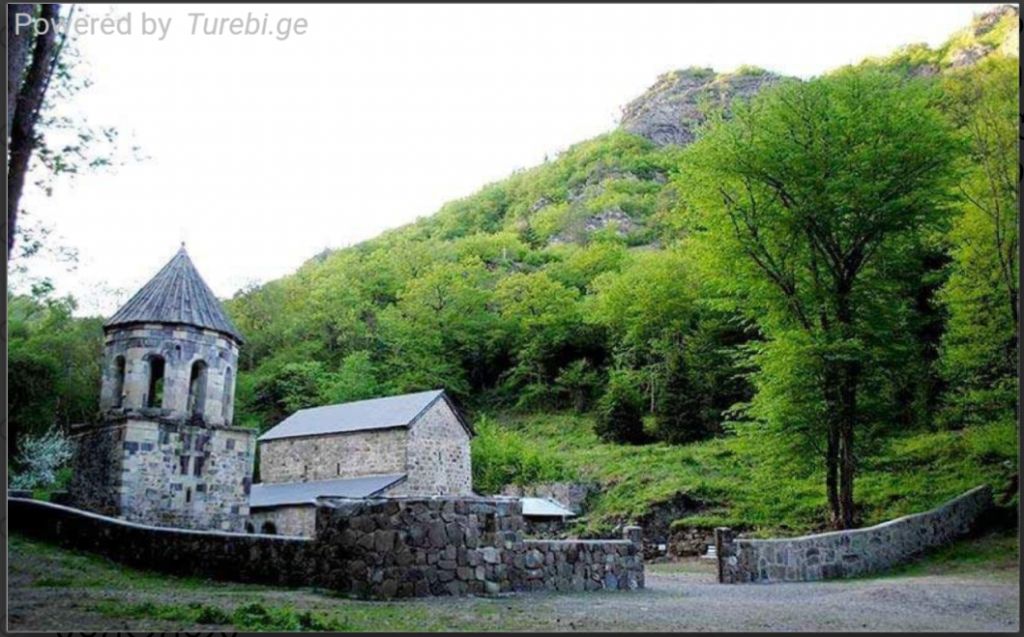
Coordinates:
671 111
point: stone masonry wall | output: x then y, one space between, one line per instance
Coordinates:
383 548
286 520
240 557
96 469
180 346
406 547
847 553
438 461
346 455
165 473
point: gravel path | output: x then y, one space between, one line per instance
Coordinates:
694 602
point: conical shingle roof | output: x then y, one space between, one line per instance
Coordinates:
177 294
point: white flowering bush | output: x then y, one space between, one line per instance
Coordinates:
40 458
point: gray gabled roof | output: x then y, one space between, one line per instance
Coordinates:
293 493
361 415
177 295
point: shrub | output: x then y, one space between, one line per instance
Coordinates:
620 412
501 456
40 458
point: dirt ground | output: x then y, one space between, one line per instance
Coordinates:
53 589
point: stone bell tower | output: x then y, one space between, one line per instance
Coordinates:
171 352
166 452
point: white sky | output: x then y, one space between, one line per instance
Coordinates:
264 152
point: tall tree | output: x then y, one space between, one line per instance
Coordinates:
27 106
814 197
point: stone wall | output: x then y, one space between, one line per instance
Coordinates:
327 457
269 559
438 461
689 541
847 553
405 547
285 520
384 548
165 473
126 372
97 468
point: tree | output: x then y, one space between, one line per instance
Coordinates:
678 413
620 411
28 103
814 197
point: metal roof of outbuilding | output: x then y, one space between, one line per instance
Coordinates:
543 507
292 493
361 415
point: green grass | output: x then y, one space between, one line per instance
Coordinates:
62 568
990 554
254 616
744 486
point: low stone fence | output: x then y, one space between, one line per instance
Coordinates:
847 553
381 548
405 547
270 559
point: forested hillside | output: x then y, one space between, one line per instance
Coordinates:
754 291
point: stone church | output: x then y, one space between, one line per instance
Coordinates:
414 444
166 453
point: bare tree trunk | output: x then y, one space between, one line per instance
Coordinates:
847 459
832 475
849 380
18 46
26 116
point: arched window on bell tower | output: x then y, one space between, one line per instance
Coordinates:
155 393
117 387
197 389
229 385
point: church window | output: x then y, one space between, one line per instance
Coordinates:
226 403
155 396
183 461
197 389
117 390
197 466
188 494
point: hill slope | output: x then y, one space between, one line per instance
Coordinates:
526 296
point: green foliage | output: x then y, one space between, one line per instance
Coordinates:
500 457
356 379
39 459
53 364
620 412
678 411
815 200
980 344
578 381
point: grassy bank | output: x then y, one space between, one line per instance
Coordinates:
744 485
